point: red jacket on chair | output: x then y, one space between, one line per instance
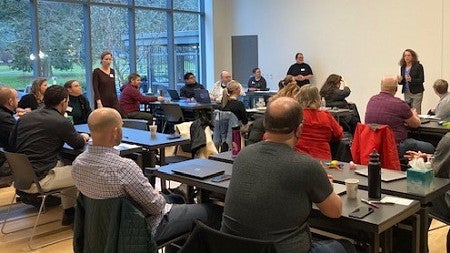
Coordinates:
378 137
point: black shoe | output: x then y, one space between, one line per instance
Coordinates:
68 216
34 199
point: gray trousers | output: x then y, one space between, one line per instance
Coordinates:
414 100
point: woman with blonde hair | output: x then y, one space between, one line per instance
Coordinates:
287 80
231 103
290 90
319 126
35 99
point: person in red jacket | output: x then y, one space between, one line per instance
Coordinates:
319 126
131 99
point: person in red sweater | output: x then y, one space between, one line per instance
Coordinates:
319 126
131 99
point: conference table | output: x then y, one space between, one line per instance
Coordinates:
400 188
374 225
430 131
142 138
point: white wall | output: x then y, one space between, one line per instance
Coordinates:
360 40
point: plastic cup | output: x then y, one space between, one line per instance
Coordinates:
351 185
153 129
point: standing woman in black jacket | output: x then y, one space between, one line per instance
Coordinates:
412 78
34 99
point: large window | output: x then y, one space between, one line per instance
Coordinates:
62 40
15 44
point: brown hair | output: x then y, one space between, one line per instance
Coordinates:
415 58
287 80
440 86
36 87
6 93
105 53
330 85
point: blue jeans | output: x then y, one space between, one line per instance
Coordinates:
414 145
180 220
335 246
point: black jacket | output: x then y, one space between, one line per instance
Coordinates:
80 109
417 78
29 101
7 122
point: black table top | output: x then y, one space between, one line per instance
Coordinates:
380 220
400 188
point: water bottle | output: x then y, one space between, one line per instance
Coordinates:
374 178
236 141
323 103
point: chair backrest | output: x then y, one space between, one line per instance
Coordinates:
378 137
136 124
23 171
172 113
224 121
206 239
110 225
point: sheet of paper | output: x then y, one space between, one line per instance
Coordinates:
397 200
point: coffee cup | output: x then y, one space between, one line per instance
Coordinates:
351 185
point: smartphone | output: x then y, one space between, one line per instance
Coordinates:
361 212
221 178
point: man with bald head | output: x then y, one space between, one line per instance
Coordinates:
8 106
270 177
217 90
386 109
101 173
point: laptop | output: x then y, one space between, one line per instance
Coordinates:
202 96
174 95
198 171
386 175
339 189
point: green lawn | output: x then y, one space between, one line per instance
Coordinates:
19 79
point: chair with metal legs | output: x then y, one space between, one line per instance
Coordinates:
24 178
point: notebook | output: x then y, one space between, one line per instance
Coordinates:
339 189
198 171
174 95
202 96
386 175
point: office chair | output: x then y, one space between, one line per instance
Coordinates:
110 225
205 239
24 177
172 114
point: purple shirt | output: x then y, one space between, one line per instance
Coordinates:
385 109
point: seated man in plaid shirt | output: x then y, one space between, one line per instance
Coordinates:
101 173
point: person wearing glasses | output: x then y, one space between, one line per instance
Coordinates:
301 71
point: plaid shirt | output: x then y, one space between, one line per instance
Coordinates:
100 173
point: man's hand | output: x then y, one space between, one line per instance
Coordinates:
330 178
160 99
85 136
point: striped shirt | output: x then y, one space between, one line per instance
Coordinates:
101 173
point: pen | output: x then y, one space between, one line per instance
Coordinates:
383 202
369 203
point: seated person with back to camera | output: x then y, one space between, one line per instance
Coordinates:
131 99
288 182
41 134
101 173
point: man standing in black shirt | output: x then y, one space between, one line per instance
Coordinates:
41 135
301 71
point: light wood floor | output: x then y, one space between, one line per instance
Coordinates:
17 242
